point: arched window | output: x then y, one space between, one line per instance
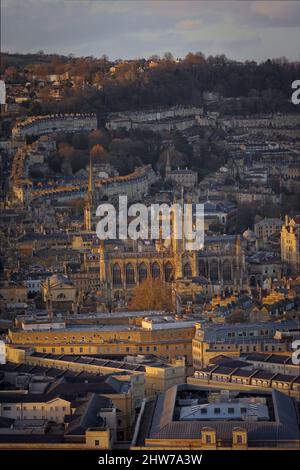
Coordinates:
117 275
155 270
187 271
168 272
61 296
214 271
142 272
130 277
202 268
226 270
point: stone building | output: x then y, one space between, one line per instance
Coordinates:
221 262
40 125
290 244
59 293
188 417
183 177
267 227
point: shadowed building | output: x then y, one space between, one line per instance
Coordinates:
187 417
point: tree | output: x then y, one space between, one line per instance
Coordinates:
168 56
98 152
98 136
198 58
80 140
104 58
151 294
154 57
65 150
245 216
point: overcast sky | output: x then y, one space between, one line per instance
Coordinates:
139 28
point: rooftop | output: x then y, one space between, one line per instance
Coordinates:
281 423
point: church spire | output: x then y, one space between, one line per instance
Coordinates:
168 168
88 203
90 183
102 262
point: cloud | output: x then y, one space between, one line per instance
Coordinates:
276 13
188 24
131 28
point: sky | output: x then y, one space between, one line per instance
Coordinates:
243 30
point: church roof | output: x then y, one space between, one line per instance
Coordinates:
59 279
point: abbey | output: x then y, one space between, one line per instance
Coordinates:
124 264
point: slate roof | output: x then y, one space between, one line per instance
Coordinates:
264 375
284 427
85 415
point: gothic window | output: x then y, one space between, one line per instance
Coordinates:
214 271
187 272
130 278
142 272
202 268
155 270
226 270
168 271
117 275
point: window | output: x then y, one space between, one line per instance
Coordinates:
227 271
239 439
155 270
168 271
214 270
207 439
243 410
187 271
6 408
203 411
217 411
230 411
202 268
130 277
117 276
142 272
97 442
